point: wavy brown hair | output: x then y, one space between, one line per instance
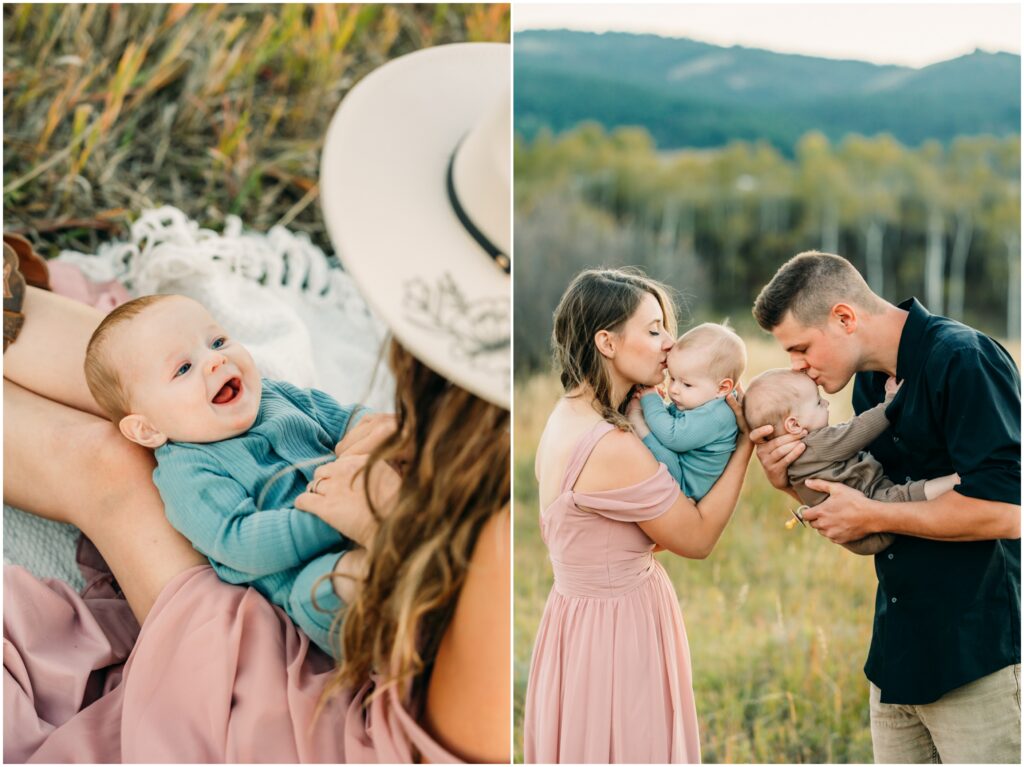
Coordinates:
453 449
596 300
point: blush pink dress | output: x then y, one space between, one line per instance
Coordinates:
216 674
610 678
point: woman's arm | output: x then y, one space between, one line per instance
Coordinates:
692 529
688 529
468 697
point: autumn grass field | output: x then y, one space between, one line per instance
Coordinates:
778 620
216 109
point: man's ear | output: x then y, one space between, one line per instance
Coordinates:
725 386
846 316
792 426
604 340
139 430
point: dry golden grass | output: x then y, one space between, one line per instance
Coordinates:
216 109
778 620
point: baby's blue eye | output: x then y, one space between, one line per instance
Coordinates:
183 369
218 343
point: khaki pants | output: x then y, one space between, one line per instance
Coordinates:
976 723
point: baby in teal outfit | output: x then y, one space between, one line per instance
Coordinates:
695 435
233 451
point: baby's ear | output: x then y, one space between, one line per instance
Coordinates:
139 430
792 426
725 386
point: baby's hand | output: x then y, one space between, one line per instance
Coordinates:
643 391
892 386
349 574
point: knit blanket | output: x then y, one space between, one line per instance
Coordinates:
299 314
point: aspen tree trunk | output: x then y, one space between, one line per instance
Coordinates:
830 227
934 263
958 265
1012 241
873 256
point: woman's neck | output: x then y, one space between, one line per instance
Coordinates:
586 394
620 390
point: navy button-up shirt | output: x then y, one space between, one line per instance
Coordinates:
946 613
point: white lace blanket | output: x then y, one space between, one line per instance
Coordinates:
298 313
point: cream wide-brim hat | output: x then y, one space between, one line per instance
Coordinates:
415 182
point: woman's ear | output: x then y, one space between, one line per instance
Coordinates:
139 430
792 426
604 340
725 386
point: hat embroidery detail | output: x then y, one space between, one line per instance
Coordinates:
479 329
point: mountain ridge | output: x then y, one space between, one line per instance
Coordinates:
616 78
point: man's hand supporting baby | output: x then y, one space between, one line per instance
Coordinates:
776 454
847 515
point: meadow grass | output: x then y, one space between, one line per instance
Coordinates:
216 109
779 621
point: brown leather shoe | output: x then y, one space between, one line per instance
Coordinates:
21 265
31 265
14 296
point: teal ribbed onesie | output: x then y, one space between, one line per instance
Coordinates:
694 444
210 492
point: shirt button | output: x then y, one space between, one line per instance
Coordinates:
890 557
894 600
895 437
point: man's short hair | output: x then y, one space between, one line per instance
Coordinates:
101 371
809 285
772 397
728 354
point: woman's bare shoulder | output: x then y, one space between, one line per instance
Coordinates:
565 426
619 459
468 695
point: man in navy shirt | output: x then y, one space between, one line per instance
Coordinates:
944 662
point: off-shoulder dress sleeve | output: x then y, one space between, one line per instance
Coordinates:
645 500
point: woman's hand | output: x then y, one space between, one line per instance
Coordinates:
735 401
367 435
776 454
340 497
340 486
635 415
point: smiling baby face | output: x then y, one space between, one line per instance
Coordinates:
183 378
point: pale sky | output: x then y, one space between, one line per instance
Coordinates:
911 34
